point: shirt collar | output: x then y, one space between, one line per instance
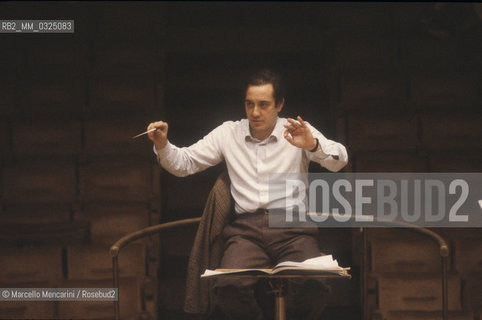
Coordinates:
275 135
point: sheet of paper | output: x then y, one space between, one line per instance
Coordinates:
321 262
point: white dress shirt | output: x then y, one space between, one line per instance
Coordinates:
249 160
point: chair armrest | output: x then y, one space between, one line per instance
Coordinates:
131 237
443 247
443 251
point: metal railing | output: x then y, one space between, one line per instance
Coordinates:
443 252
127 239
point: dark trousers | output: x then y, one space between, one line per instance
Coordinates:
250 243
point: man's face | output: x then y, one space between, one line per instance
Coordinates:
261 110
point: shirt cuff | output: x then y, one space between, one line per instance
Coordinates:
320 154
161 152
329 151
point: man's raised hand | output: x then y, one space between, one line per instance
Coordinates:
159 136
299 135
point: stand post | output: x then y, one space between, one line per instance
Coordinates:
280 303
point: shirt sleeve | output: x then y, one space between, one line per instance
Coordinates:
331 155
205 153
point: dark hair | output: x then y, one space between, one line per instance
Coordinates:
265 76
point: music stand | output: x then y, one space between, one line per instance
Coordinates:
278 281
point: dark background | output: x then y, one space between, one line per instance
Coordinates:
397 83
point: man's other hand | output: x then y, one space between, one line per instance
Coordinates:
299 135
159 137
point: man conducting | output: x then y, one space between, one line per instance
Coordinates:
253 148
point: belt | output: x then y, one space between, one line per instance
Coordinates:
261 211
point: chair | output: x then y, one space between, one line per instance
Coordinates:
208 248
